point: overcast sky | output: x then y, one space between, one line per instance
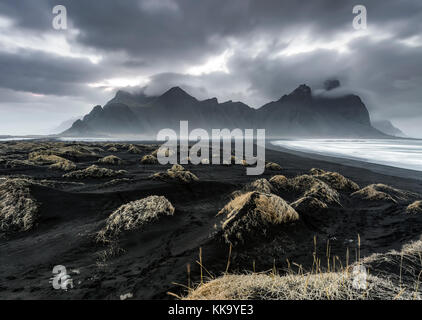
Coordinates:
249 50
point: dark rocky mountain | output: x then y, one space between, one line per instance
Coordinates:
298 114
387 127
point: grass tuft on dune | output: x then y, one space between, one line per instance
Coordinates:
149 159
414 208
111 160
93 172
19 210
134 215
335 180
176 173
254 213
385 193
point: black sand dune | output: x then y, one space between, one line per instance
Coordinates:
147 262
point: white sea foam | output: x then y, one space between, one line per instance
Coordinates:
405 154
15 139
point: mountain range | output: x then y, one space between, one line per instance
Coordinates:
298 114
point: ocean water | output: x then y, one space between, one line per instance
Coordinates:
15 139
403 153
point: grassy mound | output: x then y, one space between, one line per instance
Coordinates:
254 212
387 276
384 193
414 208
309 186
134 149
279 182
134 215
65 165
323 286
260 185
335 180
149 159
74 152
93 172
308 205
305 186
41 159
272 166
176 173
111 160
55 162
19 211
15 163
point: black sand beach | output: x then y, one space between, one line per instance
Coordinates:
148 263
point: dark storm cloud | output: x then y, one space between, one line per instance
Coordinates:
161 40
186 30
27 13
38 72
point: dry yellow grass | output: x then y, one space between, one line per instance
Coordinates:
134 149
134 215
149 159
73 151
63 166
177 167
305 186
335 180
323 286
335 282
93 172
280 182
382 192
176 173
309 186
254 213
111 160
55 162
260 185
18 208
308 205
414 208
41 159
272 166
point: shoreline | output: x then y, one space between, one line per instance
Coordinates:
375 167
